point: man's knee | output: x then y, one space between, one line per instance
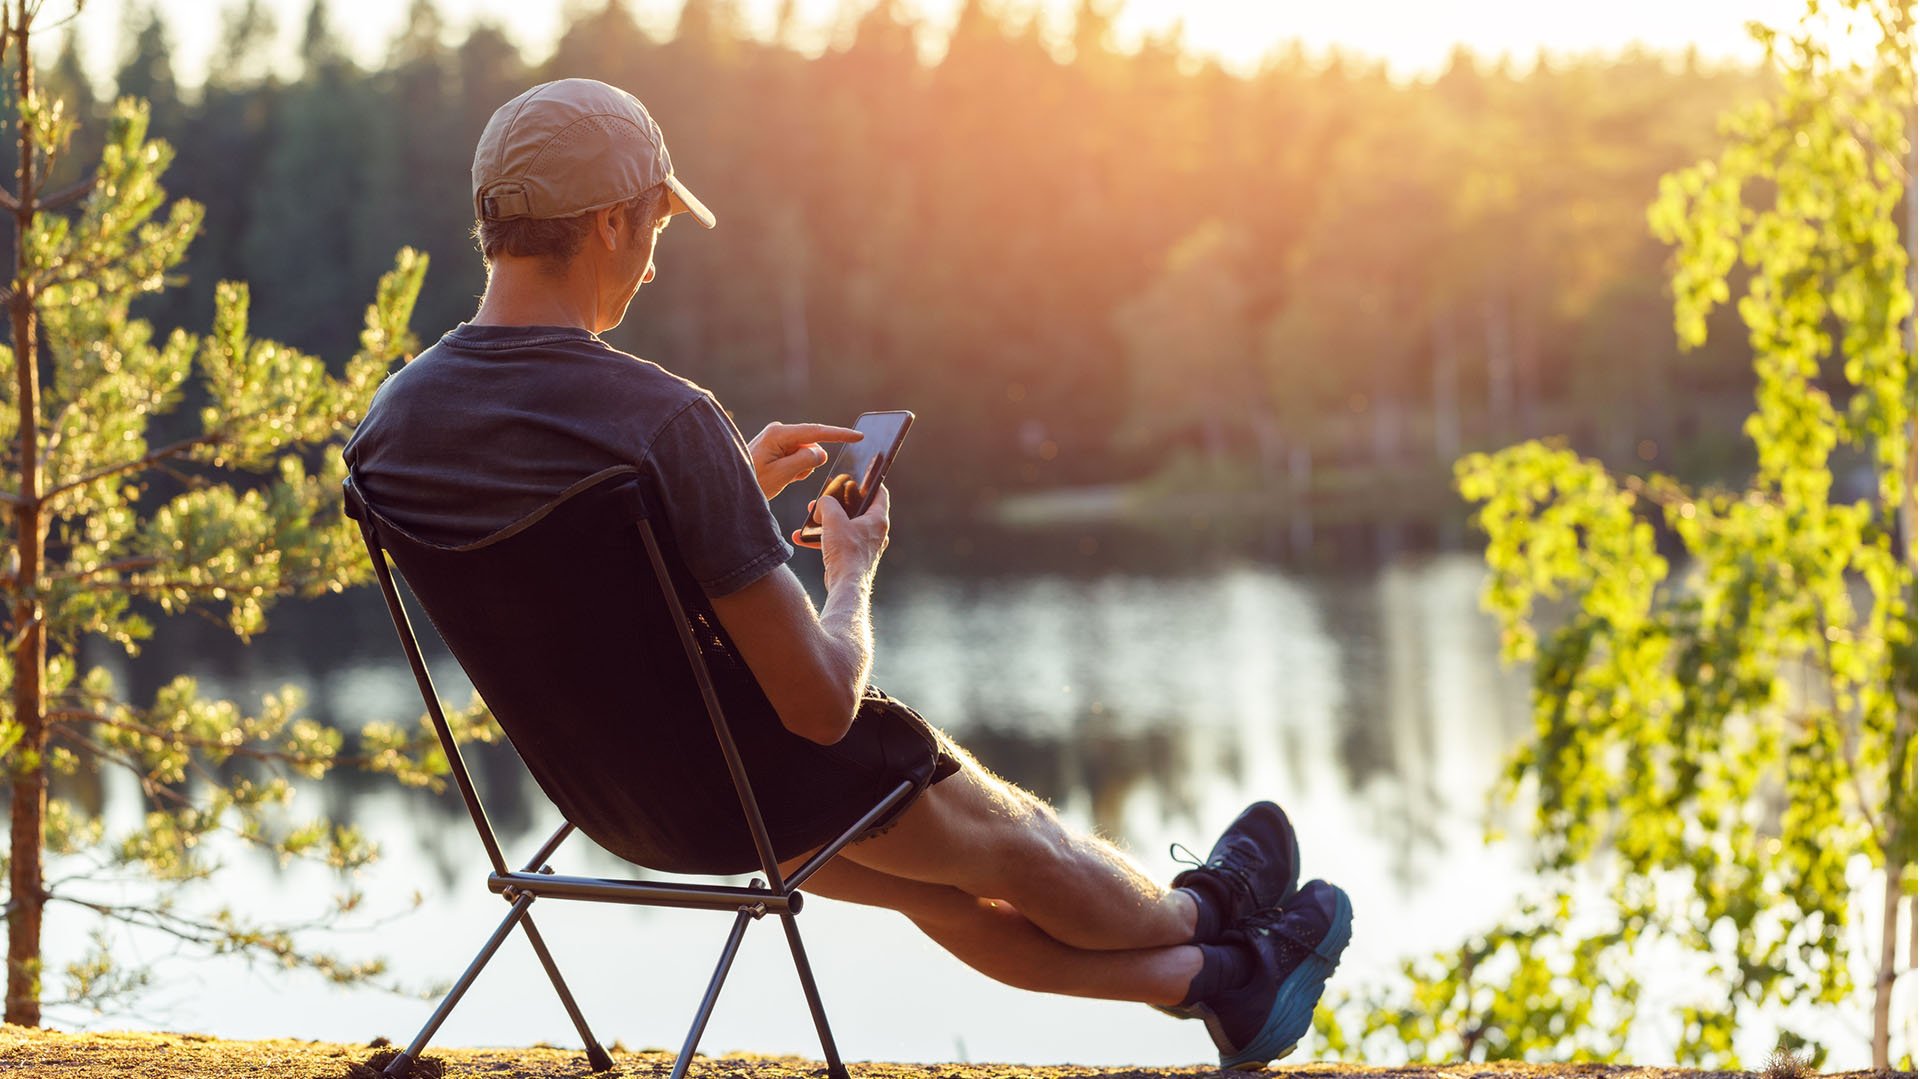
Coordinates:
1024 844
980 834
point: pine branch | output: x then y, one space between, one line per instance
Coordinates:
144 775
120 565
289 584
162 584
160 797
193 930
180 738
95 870
240 938
13 641
114 1003
175 449
78 6
172 451
155 792
69 195
86 271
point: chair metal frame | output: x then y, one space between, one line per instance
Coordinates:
775 895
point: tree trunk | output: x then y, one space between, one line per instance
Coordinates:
26 884
1910 505
793 321
1499 369
1883 986
1525 364
1898 849
1300 494
1446 389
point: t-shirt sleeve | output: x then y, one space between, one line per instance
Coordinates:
727 535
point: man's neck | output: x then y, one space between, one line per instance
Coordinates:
524 292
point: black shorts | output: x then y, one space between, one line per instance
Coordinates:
889 742
685 817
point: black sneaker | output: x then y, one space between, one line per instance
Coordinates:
1255 864
1297 946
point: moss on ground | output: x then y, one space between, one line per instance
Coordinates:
30 1052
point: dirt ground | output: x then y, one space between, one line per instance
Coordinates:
27 1052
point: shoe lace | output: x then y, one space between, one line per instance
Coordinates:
1280 923
1181 854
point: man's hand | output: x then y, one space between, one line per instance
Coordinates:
784 452
850 547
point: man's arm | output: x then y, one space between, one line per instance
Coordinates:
812 665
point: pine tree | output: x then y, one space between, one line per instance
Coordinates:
104 527
414 161
314 204
146 71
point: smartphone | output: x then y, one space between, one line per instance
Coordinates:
857 471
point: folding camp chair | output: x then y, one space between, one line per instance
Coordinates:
566 621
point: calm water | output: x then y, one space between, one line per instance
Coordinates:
1150 707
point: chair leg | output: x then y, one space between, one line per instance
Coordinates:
403 1063
835 1069
713 994
597 1057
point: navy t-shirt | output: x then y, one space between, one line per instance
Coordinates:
491 422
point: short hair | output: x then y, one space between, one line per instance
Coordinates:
556 240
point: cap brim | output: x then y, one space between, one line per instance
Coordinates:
681 201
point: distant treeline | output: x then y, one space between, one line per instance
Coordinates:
1076 264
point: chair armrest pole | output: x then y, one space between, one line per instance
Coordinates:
826 853
644 893
546 850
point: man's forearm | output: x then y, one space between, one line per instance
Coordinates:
847 622
849 552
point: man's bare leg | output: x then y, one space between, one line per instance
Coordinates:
995 939
988 872
991 840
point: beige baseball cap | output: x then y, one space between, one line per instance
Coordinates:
570 147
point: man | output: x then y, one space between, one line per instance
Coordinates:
572 186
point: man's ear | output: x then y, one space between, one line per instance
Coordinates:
608 223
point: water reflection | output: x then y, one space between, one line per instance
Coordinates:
1149 707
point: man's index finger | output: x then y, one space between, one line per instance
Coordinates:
823 432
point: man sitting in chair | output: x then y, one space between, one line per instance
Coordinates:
572 186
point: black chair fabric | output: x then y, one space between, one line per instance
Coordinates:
560 623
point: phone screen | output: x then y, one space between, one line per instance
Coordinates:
854 478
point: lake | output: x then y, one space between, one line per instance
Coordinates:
1148 704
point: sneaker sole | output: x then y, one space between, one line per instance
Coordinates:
1261 1065
1292 1013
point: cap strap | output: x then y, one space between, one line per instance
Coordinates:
504 203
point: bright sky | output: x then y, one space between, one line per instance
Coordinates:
1414 36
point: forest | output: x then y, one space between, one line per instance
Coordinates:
1080 265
